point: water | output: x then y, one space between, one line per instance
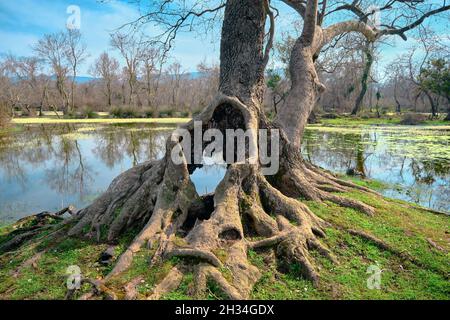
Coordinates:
46 167
412 162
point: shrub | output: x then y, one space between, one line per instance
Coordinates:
149 113
72 115
166 113
185 114
447 118
124 112
413 119
330 116
88 113
31 112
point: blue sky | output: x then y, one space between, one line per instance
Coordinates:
23 22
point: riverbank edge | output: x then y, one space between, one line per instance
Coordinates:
407 228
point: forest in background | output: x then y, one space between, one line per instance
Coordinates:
146 85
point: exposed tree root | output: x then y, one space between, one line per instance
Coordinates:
387 247
130 288
214 232
30 262
168 284
98 289
31 226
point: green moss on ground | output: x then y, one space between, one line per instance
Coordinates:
384 120
406 228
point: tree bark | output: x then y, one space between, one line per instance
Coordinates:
368 52
160 195
247 210
434 111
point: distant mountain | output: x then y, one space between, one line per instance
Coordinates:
188 75
80 79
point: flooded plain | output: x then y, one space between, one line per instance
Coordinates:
49 166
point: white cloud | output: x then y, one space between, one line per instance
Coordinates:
25 21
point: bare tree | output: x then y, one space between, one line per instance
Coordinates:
369 57
208 83
5 83
306 87
131 48
175 73
415 61
107 68
53 49
397 78
76 54
151 71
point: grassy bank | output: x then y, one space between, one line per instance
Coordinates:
338 121
99 120
406 228
385 120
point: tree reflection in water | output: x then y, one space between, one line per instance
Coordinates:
414 163
45 167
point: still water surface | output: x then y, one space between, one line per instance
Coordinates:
46 167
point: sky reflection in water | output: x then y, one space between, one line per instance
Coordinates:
46 167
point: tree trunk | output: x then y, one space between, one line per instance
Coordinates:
72 97
248 210
433 106
366 73
447 118
398 108
305 88
109 92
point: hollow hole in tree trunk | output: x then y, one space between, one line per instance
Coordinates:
199 211
230 235
227 117
208 174
248 225
265 204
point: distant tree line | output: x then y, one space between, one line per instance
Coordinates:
416 81
146 85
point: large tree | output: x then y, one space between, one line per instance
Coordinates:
248 210
435 77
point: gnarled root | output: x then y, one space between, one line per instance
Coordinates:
300 179
31 226
212 234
